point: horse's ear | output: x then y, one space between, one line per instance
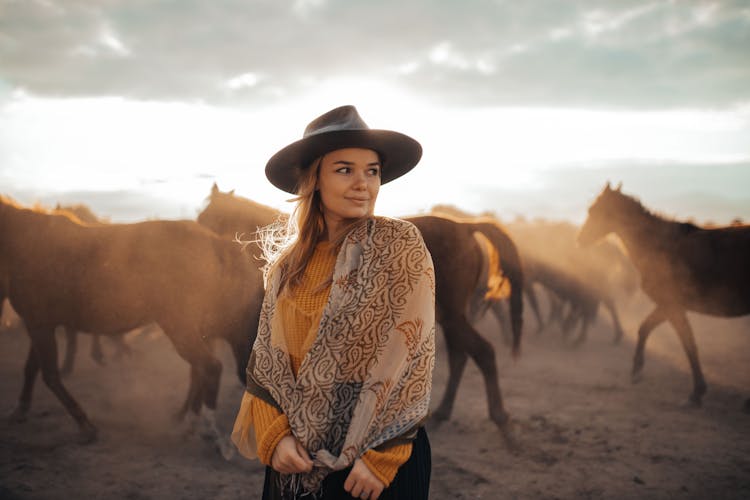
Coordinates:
231 193
607 188
619 186
214 188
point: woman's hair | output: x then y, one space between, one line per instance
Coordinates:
288 244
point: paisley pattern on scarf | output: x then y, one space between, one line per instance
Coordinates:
368 374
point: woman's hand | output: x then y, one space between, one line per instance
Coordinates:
362 483
290 457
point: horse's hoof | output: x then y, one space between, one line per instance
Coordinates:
88 434
501 419
636 376
692 402
509 432
18 416
439 416
226 449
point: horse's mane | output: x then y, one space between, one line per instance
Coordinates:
682 227
8 200
79 213
38 208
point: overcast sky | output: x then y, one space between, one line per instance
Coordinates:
137 106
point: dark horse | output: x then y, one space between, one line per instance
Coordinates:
113 278
458 265
458 259
683 268
583 298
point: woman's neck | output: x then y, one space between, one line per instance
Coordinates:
335 227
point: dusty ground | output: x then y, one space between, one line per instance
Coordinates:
584 430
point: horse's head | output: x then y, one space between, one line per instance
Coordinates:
229 215
214 214
602 213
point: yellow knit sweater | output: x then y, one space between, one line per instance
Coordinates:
301 311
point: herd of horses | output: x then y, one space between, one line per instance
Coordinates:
195 282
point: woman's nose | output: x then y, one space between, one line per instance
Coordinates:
360 180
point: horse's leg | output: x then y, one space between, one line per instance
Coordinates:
205 378
555 308
653 320
192 398
456 363
531 296
583 330
45 347
121 346
685 332
483 354
610 305
29 377
502 320
96 349
71 343
571 319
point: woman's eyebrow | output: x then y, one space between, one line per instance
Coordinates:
349 163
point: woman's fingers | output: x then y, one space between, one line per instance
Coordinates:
306 460
290 457
362 483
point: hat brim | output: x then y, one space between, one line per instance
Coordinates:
398 152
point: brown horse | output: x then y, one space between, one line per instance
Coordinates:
458 261
84 215
683 268
236 217
113 278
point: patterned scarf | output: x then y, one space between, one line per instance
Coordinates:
368 374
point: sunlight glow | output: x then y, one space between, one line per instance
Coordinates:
175 151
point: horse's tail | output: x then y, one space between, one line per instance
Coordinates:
511 266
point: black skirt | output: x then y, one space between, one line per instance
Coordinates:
412 481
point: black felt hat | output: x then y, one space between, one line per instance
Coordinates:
337 129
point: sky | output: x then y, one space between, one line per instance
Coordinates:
526 109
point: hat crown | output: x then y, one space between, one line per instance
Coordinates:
338 119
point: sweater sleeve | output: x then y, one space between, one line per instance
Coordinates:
271 426
384 464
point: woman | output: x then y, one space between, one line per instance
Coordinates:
339 379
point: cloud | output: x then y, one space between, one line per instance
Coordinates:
483 53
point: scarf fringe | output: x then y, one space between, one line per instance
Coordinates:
291 488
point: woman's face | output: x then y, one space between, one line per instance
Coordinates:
348 181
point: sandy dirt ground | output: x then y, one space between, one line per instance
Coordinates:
583 429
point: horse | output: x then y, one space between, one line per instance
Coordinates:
683 268
601 272
457 257
458 261
84 215
567 288
492 289
113 278
235 217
